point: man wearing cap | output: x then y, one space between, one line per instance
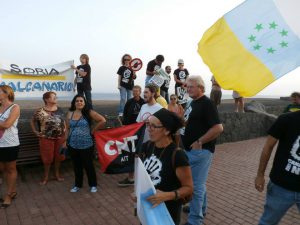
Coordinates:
202 128
180 76
152 66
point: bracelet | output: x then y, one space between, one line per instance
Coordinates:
176 195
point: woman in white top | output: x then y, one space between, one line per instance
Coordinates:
9 141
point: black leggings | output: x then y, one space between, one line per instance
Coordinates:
83 159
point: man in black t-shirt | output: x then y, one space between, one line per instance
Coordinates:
199 137
284 186
165 87
133 106
180 76
152 66
83 79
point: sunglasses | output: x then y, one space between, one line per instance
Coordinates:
153 126
173 98
127 59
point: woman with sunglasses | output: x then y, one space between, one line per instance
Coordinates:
126 78
168 167
80 141
9 142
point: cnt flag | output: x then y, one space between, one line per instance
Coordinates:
253 45
116 147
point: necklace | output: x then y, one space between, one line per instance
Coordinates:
162 152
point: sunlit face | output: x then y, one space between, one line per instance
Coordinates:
52 99
180 65
193 89
157 131
295 100
127 60
173 98
136 92
79 103
83 60
148 95
3 95
168 70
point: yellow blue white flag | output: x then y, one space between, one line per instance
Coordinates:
253 45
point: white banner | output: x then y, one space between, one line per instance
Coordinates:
28 81
144 188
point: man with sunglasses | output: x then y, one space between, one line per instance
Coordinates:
152 66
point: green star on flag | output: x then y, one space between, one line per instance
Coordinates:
284 33
284 44
271 50
258 27
252 38
273 25
257 47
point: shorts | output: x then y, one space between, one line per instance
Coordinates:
215 96
49 149
9 154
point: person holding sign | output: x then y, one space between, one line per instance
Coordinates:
9 142
153 66
83 79
167 166
126 78
180 76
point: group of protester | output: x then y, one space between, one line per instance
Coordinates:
178 143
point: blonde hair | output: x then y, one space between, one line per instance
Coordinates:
86 57
9 91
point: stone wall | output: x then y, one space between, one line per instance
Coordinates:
243 126
237 126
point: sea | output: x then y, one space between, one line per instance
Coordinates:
116 97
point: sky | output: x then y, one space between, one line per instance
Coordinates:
40 32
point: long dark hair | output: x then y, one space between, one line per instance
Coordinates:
85 111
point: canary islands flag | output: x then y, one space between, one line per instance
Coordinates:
253 45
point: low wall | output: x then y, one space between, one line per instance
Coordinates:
237 126
243 126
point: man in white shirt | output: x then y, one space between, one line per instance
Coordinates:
149 108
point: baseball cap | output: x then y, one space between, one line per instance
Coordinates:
180 61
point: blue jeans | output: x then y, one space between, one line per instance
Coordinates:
200 161
125 94
278 201
88 96
165 94
148 77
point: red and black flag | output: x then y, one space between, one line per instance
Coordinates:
117 147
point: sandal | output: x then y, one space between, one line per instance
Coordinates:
43 182
12 196
60 179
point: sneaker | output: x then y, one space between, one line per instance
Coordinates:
126 182
93 189
75 189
